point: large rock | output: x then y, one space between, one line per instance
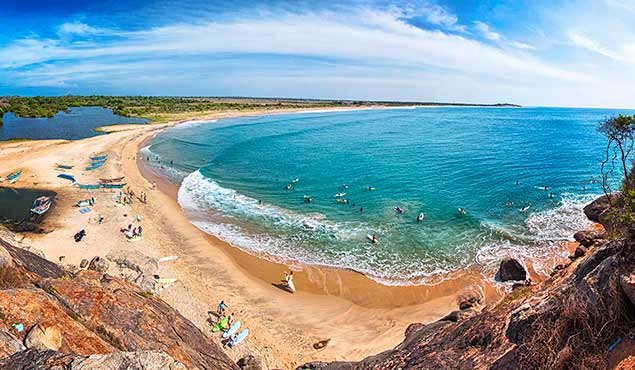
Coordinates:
9 344
129 320
511 269
627 283
249 362
51 360
596 209
43 337
99 264
32 306
588 237
6 260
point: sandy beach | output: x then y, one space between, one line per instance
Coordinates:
359 316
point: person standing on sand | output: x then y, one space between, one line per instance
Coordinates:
288 278
221 308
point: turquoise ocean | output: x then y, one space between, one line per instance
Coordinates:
233 176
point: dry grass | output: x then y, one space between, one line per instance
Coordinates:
576 333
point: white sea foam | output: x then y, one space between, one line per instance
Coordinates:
225 213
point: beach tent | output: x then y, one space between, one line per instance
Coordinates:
67 177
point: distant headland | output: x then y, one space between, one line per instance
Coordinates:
160 109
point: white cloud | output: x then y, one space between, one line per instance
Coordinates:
521 45
485 30
77 28
624 53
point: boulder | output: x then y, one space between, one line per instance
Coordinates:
44 337
469 299
249 362
83 264
627 283
99 264
598 207
457 315
52 360
588 237
5 259
511 269
580 251
9 344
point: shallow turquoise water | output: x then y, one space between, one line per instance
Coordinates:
430 160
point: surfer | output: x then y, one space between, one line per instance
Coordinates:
524 209
546 188
399 210
509 203
374 239
551 195
461 211
361 209
288 278
344 186
517 182
420 217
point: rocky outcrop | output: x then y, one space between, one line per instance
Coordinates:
588 237
9 344
249 362
51 360
44 337
91 320
511 270
567 322
599 207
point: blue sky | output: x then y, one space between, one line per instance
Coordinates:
558 53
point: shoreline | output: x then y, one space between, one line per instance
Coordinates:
324 280
359 315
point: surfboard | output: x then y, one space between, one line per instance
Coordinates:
168 258
239 338
165 280
232 330
370 239
220 325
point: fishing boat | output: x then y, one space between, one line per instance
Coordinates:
85 202
14 177
112 186
94 166
86 186
99 157
107 181
66 177
63 166
41 205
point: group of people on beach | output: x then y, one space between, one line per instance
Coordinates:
131 232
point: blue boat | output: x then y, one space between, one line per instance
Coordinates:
113 186
85 186
94 166
14 176
67 177
99 157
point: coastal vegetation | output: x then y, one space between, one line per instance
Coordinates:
162 109
618 159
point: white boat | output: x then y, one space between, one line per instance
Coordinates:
41 205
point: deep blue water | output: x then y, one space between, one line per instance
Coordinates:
431 160
77 123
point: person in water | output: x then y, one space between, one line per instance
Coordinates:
462 211
551 195
361 209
